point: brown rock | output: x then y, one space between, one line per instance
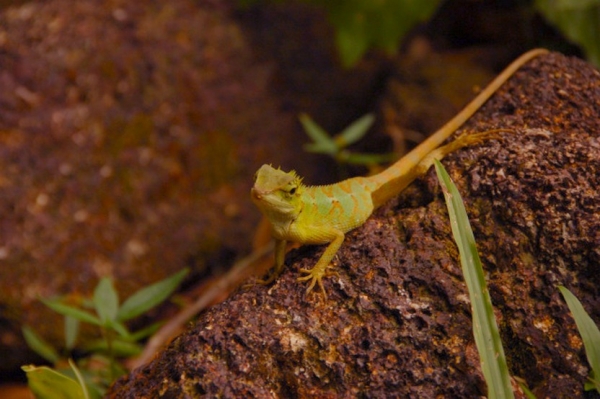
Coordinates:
397 320
129 135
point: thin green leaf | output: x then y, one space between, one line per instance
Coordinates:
87 303
46 383
148 297
588 330
485 329
106 300
322 142
39 346
89 377
93 373
68 310
86 395
591 385
525 389
71 331
145 332
119 348
355 131
96 390
120 328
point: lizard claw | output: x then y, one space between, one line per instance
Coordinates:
315 276
274 274
268 280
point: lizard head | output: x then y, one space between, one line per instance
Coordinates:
277 194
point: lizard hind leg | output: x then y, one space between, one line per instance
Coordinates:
461 141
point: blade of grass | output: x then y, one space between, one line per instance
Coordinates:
80 380
523 385
589 334
485 329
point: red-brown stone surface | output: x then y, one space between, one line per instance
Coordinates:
129 135
397 319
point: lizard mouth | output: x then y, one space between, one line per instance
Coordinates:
255 194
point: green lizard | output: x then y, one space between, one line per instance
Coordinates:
323 214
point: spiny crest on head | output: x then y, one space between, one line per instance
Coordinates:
268 178
296 179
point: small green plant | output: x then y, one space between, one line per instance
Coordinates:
363 24
578 20
335 147
589 334
93 373
485 329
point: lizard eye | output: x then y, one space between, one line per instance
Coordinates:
293 190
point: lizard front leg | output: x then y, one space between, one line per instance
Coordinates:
315 275
279 262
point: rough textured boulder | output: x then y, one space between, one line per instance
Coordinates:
397 320
129 134
114 126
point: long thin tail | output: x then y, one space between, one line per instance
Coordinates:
395 178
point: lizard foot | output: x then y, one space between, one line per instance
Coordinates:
274 274
315 276
461 141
